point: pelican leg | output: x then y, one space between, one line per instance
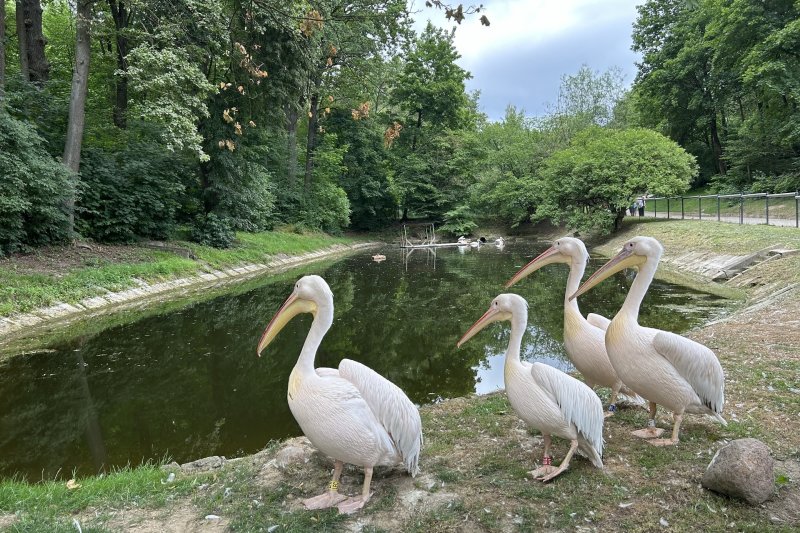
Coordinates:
332 496
651 432
612 403
564 464
547 461
351 505
676 428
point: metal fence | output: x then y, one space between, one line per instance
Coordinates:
756 208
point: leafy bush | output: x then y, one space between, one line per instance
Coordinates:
241 188
326 208
33 189
129 192
212 230
459 221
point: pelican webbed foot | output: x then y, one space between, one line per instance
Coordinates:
663 442
323 501
648 433
351 505
542 471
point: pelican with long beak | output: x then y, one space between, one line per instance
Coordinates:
584 338
352 414
544 397
664 368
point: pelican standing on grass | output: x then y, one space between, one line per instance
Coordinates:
662 367
584 338
352 414
544 397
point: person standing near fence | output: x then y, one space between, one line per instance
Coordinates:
640 205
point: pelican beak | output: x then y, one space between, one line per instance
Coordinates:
551 255
492 315
292 307
625 259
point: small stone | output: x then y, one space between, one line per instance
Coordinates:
212 517
742 469
270 529
207 463
663 522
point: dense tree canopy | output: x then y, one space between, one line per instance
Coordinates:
132 119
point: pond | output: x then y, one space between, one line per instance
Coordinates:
186 384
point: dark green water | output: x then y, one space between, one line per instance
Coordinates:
188 384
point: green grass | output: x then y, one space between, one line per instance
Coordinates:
21 292
48 506
715 237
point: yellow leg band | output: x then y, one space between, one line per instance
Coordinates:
334 486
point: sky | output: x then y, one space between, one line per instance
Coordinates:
520 58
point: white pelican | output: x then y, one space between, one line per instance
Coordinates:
662 367
544 397
584 338
352 414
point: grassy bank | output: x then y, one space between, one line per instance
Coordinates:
477 451
70 274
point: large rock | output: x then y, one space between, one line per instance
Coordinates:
742 469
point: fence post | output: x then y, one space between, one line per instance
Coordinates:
741 208
667 207
797 209
766 207
681 207
655 208
718 207
700 207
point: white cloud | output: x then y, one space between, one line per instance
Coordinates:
531 43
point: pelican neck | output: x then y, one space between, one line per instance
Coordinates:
323 319
576 270
641 283
519 321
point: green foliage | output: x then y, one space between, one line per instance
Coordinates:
590 184
365 174
212 230
459 221
325 208
129 191
33 189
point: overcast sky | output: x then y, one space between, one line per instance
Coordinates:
530 44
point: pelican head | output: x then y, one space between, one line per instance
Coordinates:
634 253
564 250
308 294
502 308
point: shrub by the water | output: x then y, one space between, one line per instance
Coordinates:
212 230
130 192
34 188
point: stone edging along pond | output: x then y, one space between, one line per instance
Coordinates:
146 293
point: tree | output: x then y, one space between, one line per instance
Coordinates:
33 63
431 97
589 184
77 101
2 52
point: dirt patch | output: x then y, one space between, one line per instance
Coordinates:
7 520
181 518
60 260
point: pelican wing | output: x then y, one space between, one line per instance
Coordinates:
391 407
598 321
577 402
696 364
324 372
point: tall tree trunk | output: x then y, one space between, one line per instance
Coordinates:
2 49
22 39
313 121
77 99
716 146
122 20
291 143
33 63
